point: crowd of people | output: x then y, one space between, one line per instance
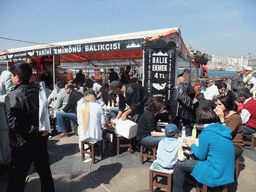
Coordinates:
80 104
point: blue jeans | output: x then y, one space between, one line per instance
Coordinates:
61 117
248 130
151 141
113 112
182 168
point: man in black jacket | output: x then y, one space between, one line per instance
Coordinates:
69 111
180 103
27 142
134 95
80 77
202 102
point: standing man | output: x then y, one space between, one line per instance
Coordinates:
181 104
69 111
249 79
237 81
113 76
47 78
6 84
27 142
126 77
134 95
80 77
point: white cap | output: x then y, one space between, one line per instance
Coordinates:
248 68
239 69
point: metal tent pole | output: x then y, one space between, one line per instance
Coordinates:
53 71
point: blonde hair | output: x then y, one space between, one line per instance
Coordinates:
86 109
181 79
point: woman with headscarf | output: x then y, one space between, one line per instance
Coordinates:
90 117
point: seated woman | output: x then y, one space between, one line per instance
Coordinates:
148 133
215 152
227 112
90 117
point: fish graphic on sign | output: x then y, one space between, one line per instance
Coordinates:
159 86
31 53
10 56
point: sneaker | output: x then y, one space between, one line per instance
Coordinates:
88 159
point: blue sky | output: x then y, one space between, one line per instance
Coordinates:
222 27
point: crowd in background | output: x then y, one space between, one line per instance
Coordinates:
80 105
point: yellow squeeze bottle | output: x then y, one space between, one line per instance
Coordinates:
108 105
194 132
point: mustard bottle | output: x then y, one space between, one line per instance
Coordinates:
194 132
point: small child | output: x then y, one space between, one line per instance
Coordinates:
240 105
170 149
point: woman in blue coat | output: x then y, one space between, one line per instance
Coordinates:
215 152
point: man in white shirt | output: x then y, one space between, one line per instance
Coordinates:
214 91
96 86
6 84
249 79
248 113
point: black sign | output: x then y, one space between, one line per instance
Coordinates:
159 68
79 48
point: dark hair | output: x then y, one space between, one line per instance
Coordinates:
70 86
89 83
206 115
200 96
221 85
128 67
154 104
239 100
173 136
75 81
228 103
23 70
61 84
80 84
244 92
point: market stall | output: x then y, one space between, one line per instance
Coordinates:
165 47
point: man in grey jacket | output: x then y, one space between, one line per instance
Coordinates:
62 96
237 81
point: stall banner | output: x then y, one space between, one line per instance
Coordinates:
159 68
75 49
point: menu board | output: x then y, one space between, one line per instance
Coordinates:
159 68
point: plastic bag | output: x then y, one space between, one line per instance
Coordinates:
44 121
